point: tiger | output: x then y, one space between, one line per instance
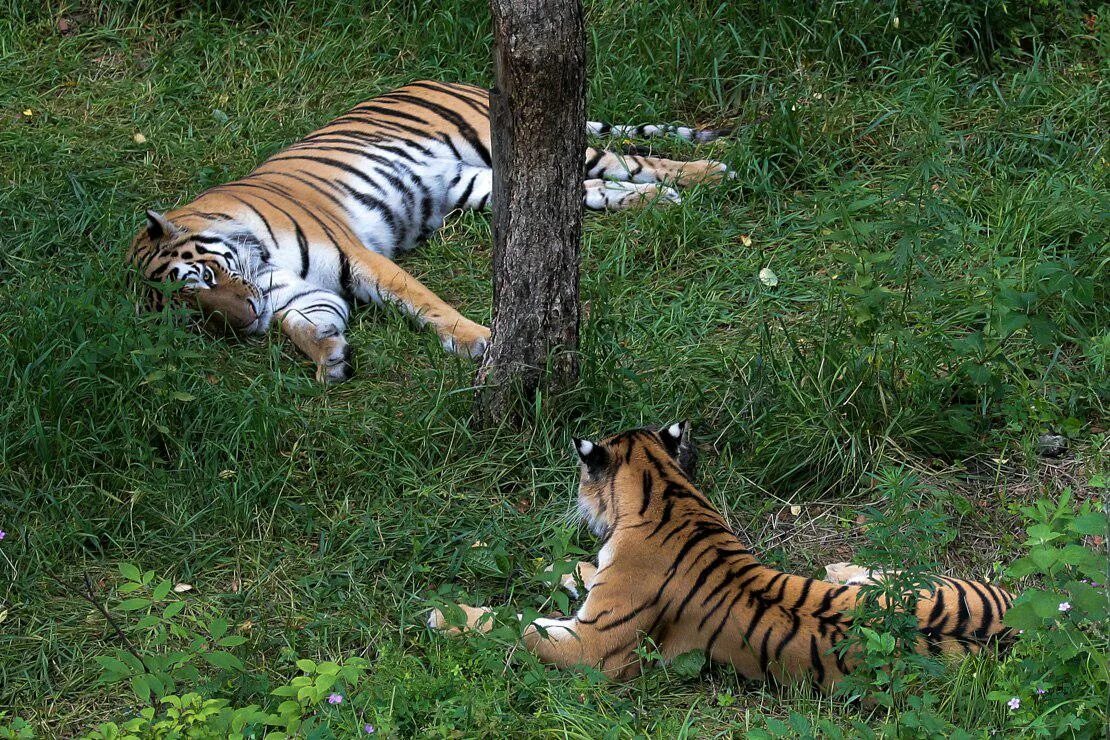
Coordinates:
672 571
315 227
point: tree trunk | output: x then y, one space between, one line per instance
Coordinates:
537 116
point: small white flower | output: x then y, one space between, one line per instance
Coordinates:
1014 703
1065 606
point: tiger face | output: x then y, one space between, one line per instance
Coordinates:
601 464
208 269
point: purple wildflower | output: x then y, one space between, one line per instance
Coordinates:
1042 692
1014 703
3 534
335 699
1065 606
369 729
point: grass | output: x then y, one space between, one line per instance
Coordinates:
931 195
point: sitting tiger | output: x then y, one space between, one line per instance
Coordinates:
671 570
315 227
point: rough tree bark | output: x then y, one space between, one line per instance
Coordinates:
537 115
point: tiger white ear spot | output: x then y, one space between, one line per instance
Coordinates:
675 430
585 447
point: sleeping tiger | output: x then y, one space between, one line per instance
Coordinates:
315 227
671 570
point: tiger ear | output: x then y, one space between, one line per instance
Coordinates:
593 456
677 439
673 435
158 226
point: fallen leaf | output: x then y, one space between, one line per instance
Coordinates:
139 139
523 505
768 277
478 543
28 112
796 510
745 240
245 626
66 26
235 585
180 588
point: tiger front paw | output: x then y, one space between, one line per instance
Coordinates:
477 619
335 366
583 573
466 339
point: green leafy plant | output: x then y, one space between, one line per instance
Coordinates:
15 728
1056 680
313 707
901 535
169 643
187 716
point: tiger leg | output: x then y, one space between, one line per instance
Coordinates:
314 319
582 640
564 643
470 188
377 278
607 195
635 168
615 182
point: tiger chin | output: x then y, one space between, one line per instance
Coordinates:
315 228
671 570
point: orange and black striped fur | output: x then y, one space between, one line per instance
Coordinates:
315 227
673 571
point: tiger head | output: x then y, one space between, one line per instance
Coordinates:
206 264
612 470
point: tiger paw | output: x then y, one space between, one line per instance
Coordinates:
650 194
703 171
466 339
478 619
583 573
334 365
850 574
